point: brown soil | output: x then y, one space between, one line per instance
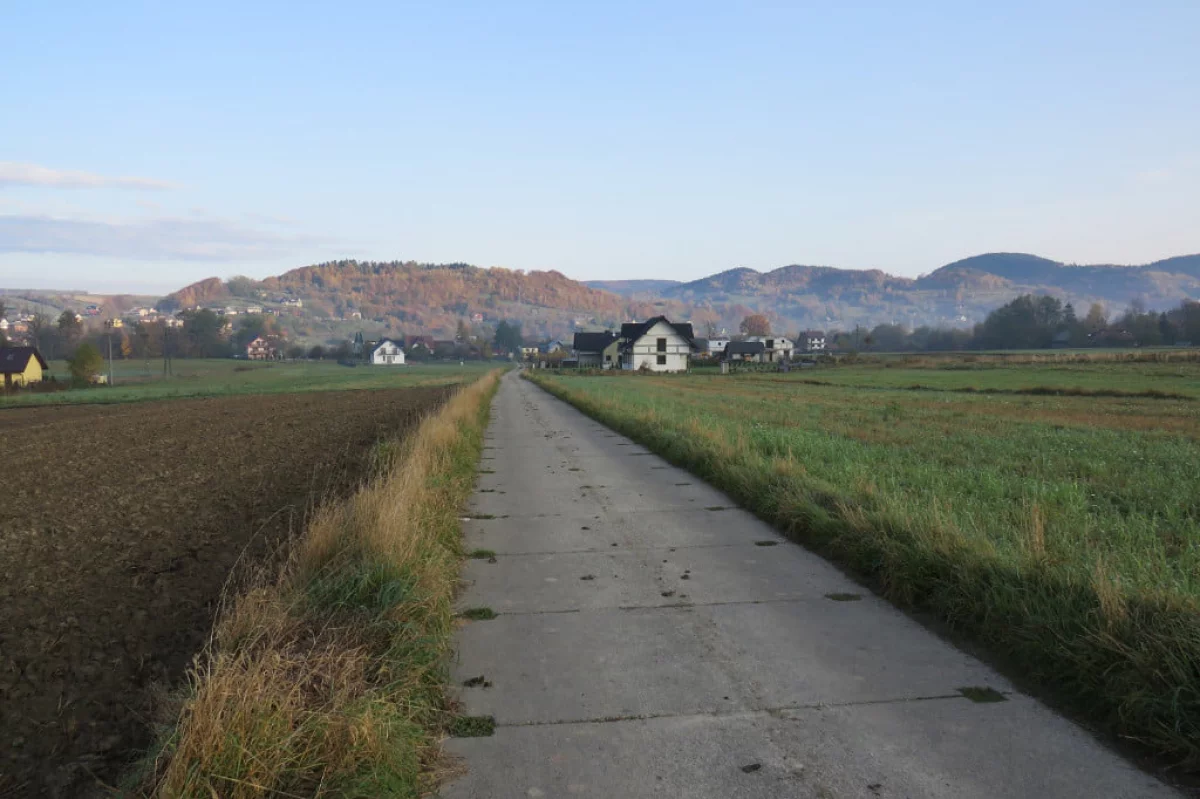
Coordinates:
119 526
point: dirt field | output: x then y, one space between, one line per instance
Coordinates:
118 528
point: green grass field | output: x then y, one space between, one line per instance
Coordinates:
1061 532
958 375
133 381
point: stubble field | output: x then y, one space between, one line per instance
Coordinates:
119 527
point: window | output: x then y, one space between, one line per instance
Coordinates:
662 359
770 343
662 345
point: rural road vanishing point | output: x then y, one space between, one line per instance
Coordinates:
654 640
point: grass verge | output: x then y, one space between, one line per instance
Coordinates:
328 682
1125 656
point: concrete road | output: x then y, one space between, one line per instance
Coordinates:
655 640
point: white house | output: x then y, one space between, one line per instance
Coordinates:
657 345
775 348
813 340
387 353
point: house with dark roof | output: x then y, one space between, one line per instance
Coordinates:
21 366
656 345
744 351
775 348
387 353
597 350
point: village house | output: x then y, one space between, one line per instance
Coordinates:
387 353
597 350
812 341
775 348
262 349
3 325
21 366
656 345
751 351
715 346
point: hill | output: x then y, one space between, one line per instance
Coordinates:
959 293
632 288
334 300
408 297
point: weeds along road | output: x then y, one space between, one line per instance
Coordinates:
651 639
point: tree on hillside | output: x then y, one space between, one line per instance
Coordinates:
202 334
70 330
755 325
85 363
242 286
43 334
508 337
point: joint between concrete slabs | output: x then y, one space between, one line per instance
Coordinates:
744 713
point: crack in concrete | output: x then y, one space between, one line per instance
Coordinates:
772 712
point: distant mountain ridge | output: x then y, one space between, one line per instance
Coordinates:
407 297
958 293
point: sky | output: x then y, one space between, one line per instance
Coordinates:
144 146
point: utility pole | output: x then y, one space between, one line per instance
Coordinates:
108 326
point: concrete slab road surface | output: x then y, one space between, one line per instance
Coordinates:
655 640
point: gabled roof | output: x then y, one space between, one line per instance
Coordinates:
632 331
14 360
745 348
594 342
383 341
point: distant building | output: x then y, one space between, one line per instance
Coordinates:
657 345
775 348
597 350
262 349
812 341
387 353
744 351
21 366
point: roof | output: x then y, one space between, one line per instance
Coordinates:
383 341
632 331
15 360
745 348
594 342
814 333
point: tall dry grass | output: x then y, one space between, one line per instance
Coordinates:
327 682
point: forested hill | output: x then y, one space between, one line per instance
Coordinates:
433 298
413 297
958 293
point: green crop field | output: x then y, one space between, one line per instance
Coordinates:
135 381
1061 532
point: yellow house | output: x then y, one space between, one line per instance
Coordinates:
21 366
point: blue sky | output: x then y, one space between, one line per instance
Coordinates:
147 145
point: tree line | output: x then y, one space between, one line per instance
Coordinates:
1032 322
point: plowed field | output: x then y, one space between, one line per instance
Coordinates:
119 526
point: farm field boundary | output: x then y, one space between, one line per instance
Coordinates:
328 681
1125 658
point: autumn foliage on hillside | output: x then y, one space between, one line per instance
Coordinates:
434 298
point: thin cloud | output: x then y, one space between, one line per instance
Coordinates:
151 239
13 173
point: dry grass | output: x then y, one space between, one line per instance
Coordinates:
328 681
